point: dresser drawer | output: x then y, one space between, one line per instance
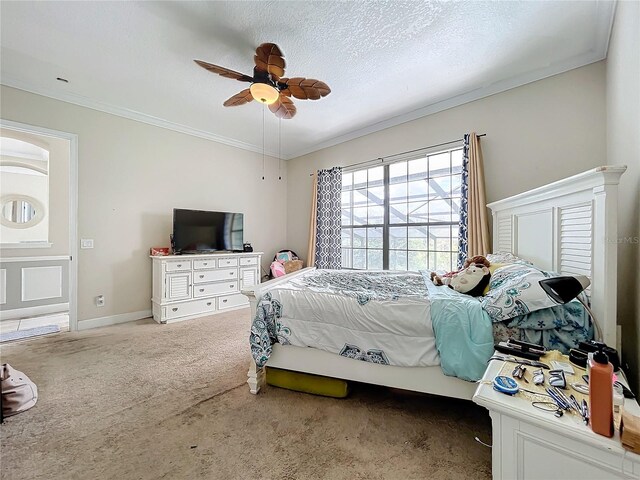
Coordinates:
230 301
175 266
227 262
200 264
249 261
205 276
190 308
207 289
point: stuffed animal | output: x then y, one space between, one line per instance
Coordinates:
471 280
477 260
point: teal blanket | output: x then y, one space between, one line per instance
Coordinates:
464 334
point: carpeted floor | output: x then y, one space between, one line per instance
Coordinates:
147 401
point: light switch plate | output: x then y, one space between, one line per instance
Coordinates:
86 243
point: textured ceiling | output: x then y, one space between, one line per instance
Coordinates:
385 61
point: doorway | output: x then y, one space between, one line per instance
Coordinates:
38 225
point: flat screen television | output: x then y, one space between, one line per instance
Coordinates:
198 231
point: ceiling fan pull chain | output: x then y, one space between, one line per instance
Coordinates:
263 107
279 148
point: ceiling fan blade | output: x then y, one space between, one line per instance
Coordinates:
283 108
225 72
239 98
269 58
306 88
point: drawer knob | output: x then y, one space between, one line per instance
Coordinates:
201 276
208 304
231 273
224 301
205 264
202 289
179 265
175 309
230 286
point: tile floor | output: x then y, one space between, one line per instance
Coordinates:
60 319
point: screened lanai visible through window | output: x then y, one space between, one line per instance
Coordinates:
403 215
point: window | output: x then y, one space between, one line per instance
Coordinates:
403 215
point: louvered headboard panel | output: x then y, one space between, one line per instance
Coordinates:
504 234
576 239
569 226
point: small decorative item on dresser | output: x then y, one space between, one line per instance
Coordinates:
630 432
159 251
246 247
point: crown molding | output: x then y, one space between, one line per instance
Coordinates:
10 81
473 95
468 97
607 14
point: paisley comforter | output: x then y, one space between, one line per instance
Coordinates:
390 318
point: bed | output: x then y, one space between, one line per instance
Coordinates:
566 227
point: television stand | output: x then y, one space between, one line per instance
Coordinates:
196 285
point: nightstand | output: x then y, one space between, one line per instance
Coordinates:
532 444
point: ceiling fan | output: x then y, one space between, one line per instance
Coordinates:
268 84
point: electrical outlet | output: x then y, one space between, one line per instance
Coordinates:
86 243
100 301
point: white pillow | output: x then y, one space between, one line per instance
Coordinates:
514 290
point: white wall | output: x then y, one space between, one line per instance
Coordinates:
623 147
537 133
131 176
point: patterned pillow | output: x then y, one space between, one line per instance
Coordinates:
514 290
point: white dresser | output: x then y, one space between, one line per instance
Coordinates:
191 286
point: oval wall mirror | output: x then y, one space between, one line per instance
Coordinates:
20 211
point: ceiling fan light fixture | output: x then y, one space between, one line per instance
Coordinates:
264 93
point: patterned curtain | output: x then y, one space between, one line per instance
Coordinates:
328 211
313 223
463 236
473 236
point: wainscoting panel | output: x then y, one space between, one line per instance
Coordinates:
3 286
33 286
41 283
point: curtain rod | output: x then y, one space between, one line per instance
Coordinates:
382 159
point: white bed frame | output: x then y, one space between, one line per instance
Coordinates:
569 226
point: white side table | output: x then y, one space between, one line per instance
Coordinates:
532 444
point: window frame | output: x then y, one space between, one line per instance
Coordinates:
386 225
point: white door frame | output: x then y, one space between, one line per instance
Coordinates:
73 207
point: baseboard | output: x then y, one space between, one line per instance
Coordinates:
113 319
33 311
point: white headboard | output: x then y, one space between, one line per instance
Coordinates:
569 226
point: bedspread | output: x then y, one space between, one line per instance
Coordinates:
380 317
373 316
464 334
